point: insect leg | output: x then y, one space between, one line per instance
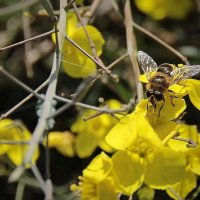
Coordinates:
161 106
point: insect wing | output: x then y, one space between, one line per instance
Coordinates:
147 64
185 72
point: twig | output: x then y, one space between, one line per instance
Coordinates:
18 82
106 110
154 37
41 126
28 45
92 10
11 142
23 101
190 142
69 4
38 176
93 48
113 76
20 191
27 40
132 48
101 72
17 7
163 43
48 189
48 7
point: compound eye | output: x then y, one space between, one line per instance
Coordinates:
149 93
158 95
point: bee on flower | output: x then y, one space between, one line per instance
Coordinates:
161 79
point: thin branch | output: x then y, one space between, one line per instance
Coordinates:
48 7
91 10
106 110
11 142
101 72
162 42
28 45
17 7
154 37
113 76
190 142
20 191
69 4
92 45
132 48
48 189
23 101
42 122
38 176
27 40
18 82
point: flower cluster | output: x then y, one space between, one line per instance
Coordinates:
154 149
75 63
90 134
161 9
14 136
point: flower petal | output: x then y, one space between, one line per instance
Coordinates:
166 168
129 171
185 186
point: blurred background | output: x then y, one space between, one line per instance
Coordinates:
177 22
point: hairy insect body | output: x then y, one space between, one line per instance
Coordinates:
157 87
160 78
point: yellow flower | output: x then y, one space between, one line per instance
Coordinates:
189 87
160 9
75 63
91 133
192 154
172 109
178 91
187 184
11 131
62 141
142 157
96 182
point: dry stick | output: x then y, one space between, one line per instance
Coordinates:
113 76
24 100
190 142
20 191
92 46
38 176
17 7
83 105
18 82
41 126
170 48
27 40
10 142
132 47
101 72
91 11
28 45
73 102
148 33
69 4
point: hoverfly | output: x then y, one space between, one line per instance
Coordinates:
160 78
